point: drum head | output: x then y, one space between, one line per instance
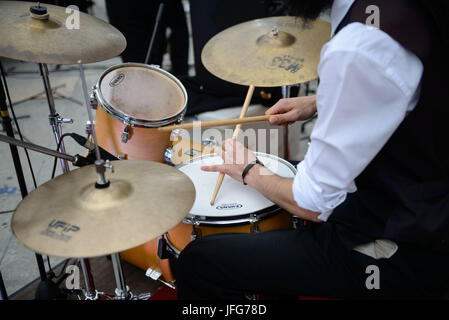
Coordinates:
234 198
142 92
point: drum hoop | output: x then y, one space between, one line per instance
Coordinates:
243 219
128 119
237 219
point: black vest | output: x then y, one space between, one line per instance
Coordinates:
403 194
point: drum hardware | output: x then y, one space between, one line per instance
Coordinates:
211 143
196 233
40 36
93 101
93 212
168 156
122 292
122 156
55 120
254 227
89 127
156 276
296 222
125 133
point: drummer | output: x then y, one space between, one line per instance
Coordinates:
373 187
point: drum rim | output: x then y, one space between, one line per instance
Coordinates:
252 217
128 119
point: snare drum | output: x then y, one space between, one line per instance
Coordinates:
134 100
238 208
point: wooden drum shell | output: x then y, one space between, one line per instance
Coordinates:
143 143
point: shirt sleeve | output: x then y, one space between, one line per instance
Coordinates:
361 100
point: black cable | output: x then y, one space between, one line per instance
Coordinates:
16 122
7 211
57 149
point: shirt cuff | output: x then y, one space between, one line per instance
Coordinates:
310 196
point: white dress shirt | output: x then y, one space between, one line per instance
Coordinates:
368 84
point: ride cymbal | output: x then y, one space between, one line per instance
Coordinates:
70 217
267 52
55 39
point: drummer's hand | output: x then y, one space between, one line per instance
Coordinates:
236 157
288 111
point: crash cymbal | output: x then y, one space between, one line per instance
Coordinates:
268 52
27 38
69 217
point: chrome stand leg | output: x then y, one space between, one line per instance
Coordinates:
56 123
55 120
90 291
122 291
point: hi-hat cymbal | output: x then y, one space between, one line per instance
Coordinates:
69 217
53 40
267 52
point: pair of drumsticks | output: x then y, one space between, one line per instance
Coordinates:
241 120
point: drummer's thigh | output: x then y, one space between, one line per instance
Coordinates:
300 261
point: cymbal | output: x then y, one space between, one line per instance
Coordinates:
69 217
267 52
26 38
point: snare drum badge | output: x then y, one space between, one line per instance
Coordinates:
117 80
229 206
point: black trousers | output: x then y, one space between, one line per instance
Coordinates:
310 261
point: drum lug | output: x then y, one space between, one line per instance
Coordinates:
254 224
125 133
298 223
175 135
93 101
168 156
295 222
211 143
196 233
255 228
122 156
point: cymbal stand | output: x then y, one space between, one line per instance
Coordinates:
56 122
122 291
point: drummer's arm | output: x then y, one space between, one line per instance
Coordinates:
278 190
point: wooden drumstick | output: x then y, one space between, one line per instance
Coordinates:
237 129
216 123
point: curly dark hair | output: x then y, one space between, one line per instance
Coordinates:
308 9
